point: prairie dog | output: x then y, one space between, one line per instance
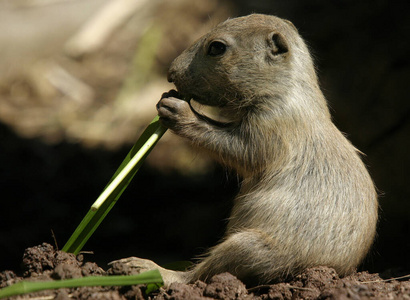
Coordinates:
306 198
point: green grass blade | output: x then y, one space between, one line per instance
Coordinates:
25 287
118 183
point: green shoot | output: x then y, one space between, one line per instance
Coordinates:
115 187
152 278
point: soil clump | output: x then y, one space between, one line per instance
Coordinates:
43 262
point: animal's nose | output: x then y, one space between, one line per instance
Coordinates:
171 75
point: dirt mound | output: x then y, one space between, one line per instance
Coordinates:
43 262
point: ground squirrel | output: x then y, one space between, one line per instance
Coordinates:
306 198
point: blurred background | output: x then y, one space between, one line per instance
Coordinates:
79 81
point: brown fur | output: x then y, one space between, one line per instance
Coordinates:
306 198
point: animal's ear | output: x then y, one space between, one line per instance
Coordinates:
291 24
278 44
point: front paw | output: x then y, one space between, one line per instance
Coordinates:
132 266
174 112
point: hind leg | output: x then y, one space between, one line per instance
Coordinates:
135 265
249 255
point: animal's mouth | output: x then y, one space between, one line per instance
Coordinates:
213 114
196 100
209 110
200 99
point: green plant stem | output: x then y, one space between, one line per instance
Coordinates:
115 187
25 287
142 152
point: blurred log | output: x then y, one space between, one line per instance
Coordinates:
96 31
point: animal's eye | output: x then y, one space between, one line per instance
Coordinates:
216 48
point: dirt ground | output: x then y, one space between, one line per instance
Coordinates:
43 262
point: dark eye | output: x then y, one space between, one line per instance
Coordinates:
216 48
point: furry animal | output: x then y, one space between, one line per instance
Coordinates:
306 198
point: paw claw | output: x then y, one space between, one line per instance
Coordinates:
133 265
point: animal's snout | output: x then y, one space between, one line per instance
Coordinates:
171 74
